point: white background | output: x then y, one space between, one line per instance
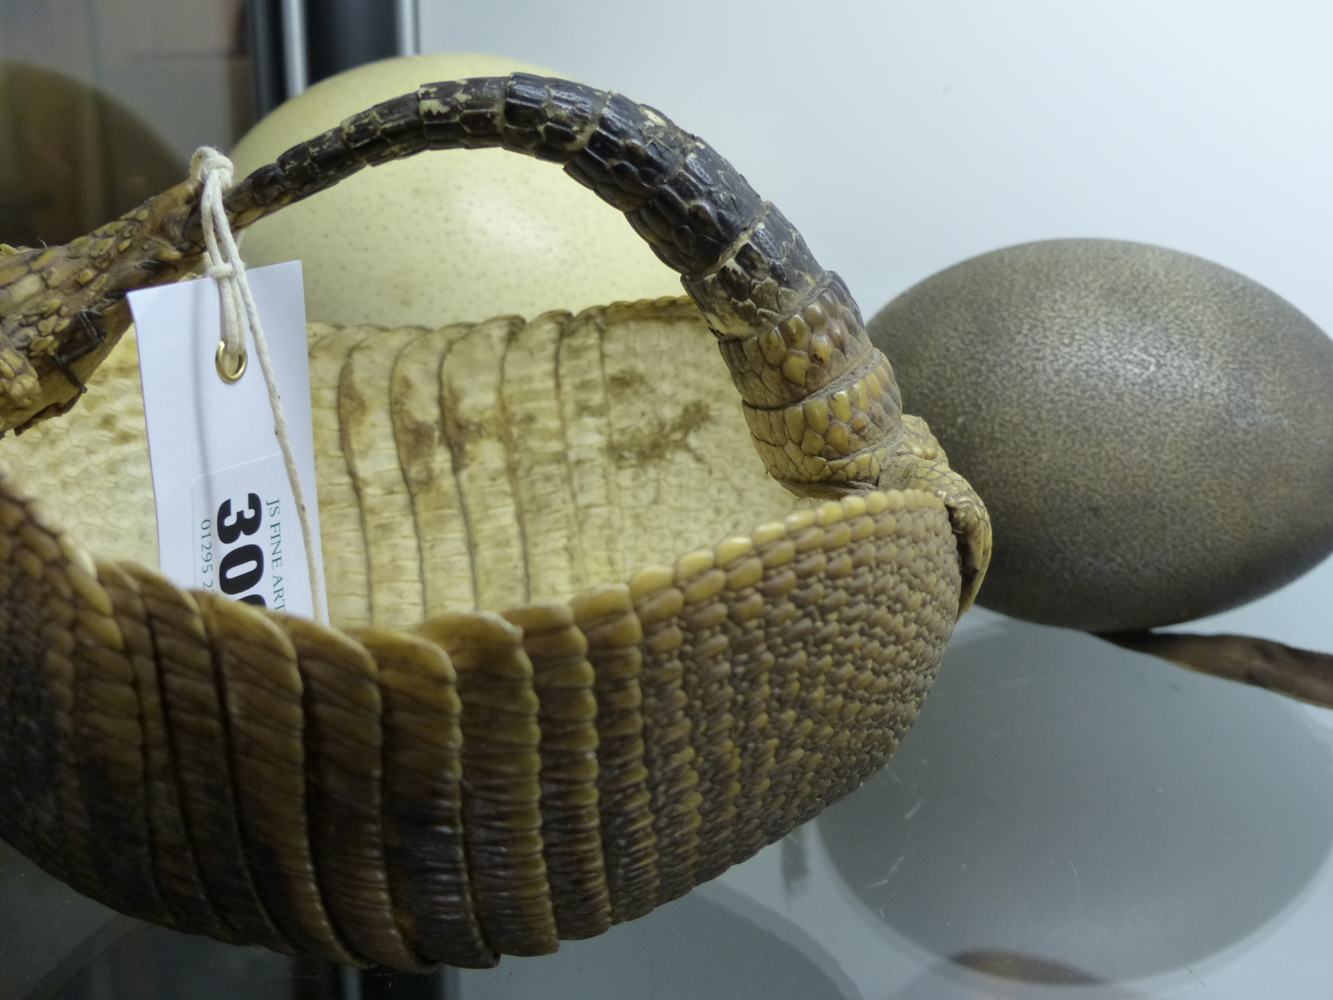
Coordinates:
901 137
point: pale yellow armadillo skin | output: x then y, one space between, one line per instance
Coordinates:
94 467
474 420
365 413
426 459
540 471
342 524
566 426
328 814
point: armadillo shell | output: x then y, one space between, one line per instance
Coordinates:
549 752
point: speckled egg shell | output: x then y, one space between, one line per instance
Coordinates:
1152 432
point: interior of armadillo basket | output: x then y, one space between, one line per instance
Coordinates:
480 465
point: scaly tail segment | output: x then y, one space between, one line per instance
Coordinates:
821 402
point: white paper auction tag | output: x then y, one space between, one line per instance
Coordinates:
226 517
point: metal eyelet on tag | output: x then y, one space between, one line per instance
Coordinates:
227 517
234 376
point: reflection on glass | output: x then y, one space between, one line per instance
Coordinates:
103 101
1091 809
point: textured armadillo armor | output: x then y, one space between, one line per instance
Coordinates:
481 783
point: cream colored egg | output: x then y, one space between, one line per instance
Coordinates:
445 236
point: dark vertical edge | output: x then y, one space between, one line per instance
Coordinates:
342 34
268 61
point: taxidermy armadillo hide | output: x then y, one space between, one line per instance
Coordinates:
584 655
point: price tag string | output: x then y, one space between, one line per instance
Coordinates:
239 311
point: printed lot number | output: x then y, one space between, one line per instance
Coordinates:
242 565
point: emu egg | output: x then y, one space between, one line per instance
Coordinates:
1152 432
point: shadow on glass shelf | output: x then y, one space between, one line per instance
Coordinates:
1068 808
57 945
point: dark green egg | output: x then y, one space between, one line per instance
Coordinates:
1152 432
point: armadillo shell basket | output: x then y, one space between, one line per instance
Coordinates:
569 678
